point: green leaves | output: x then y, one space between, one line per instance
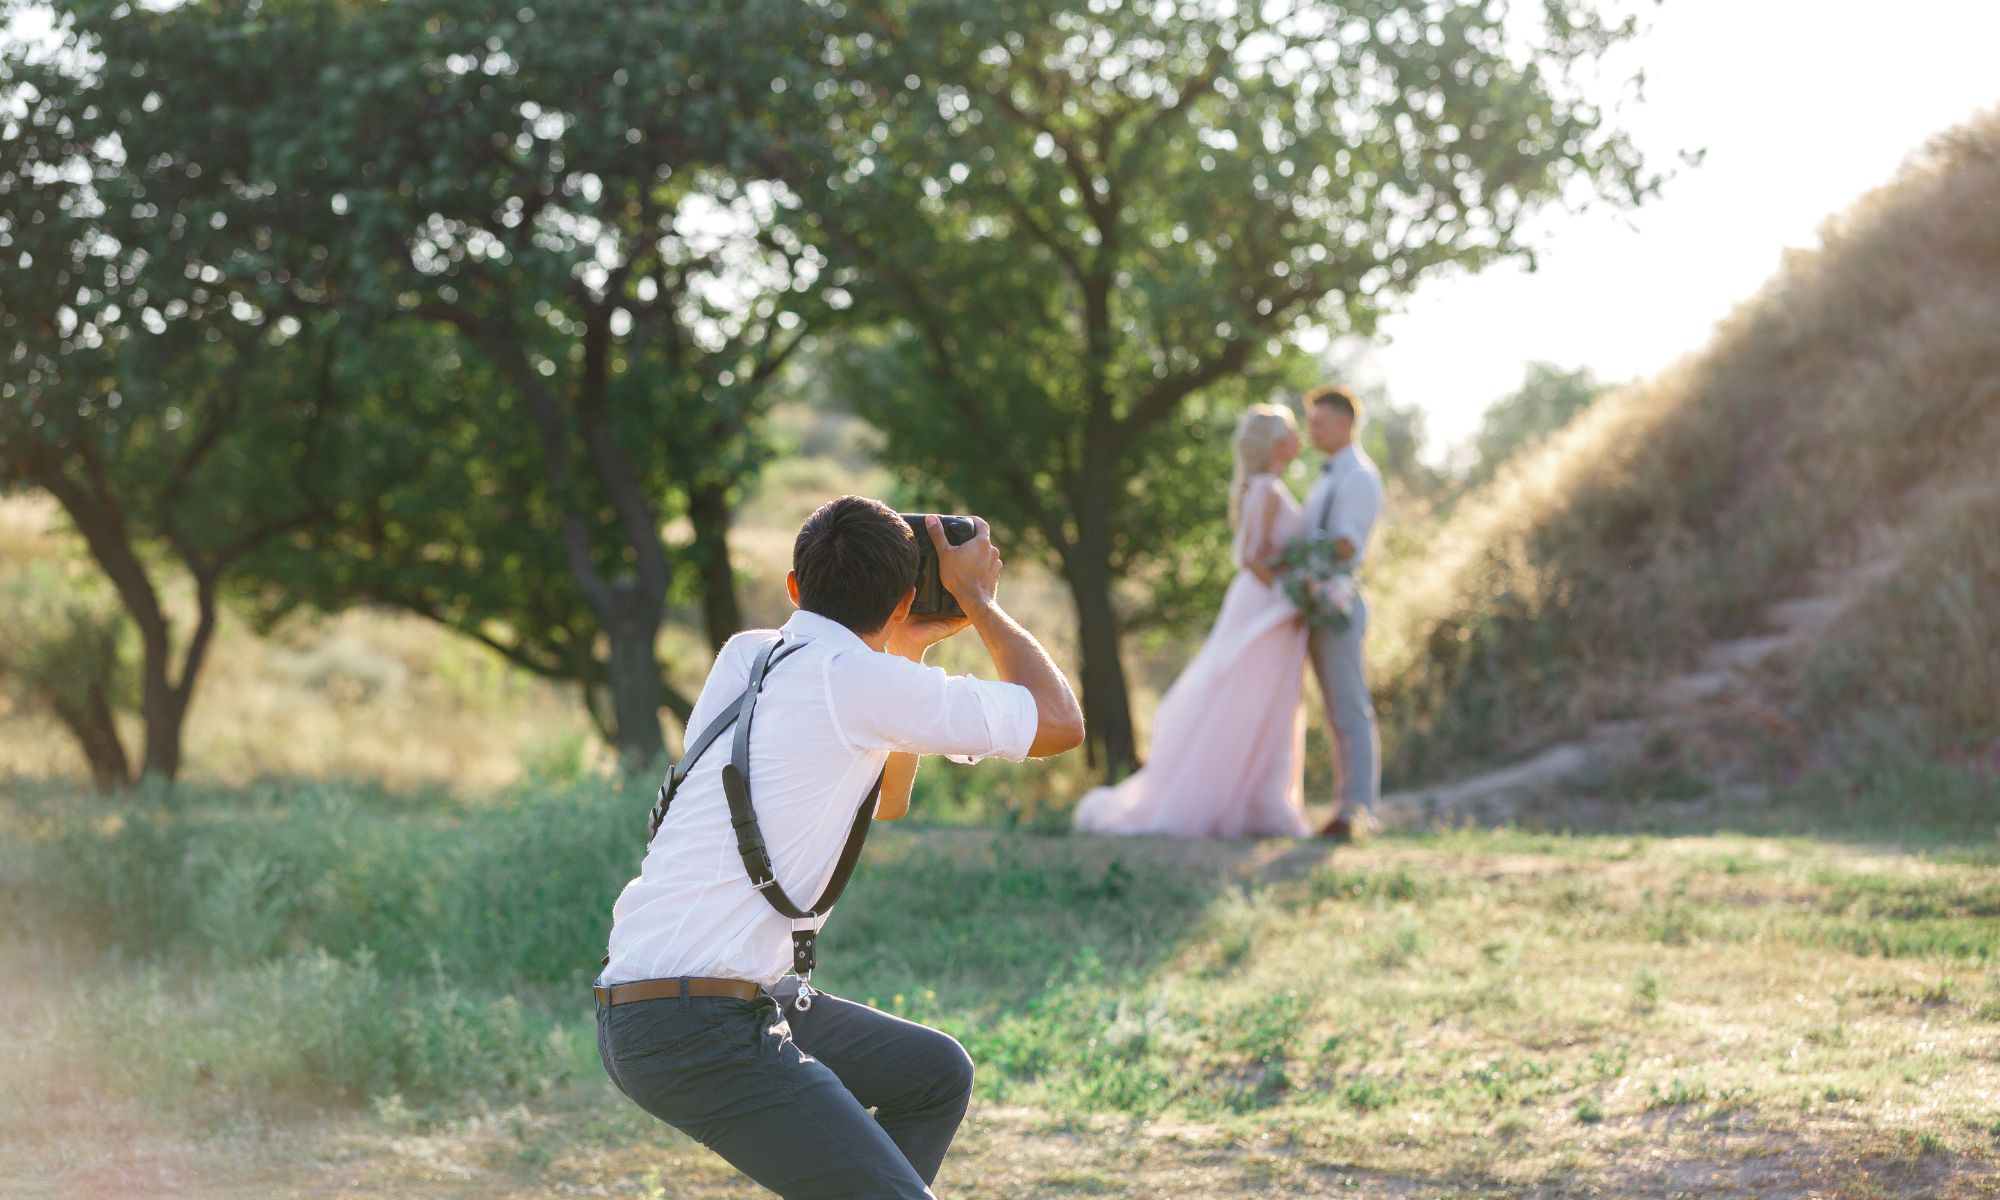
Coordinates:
562 296
569 247
1078 221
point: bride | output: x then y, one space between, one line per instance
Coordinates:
1229 737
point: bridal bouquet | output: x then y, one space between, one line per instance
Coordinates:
1317 583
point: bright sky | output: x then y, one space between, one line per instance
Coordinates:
1802 105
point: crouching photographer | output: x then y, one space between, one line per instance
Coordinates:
706 1016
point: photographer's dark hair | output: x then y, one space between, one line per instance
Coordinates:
855 558
1339 396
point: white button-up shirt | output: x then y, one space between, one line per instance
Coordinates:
1347 499
827 719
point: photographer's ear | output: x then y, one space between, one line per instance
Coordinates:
792 586
902 612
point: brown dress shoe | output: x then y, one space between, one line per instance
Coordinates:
1340 829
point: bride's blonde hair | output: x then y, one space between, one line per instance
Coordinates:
1258 432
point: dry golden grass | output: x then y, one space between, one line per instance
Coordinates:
378 695
366 694
1822 423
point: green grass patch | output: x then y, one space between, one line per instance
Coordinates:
332 946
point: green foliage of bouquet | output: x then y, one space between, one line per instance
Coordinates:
1317 582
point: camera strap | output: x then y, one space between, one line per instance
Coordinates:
750 845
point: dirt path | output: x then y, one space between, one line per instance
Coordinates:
594 1146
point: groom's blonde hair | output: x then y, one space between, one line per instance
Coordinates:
1258 431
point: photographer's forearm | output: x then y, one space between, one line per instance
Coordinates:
1019 658
898 777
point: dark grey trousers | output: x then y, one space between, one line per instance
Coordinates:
784 1095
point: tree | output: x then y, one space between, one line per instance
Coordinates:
65 653
1083 223
1548 399
175 419
552 184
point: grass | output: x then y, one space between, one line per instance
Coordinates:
1487 1010
365 694
1849 412
299 985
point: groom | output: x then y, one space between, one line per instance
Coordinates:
1343 504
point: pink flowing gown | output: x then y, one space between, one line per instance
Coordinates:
1229 737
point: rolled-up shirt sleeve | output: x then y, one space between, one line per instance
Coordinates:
882 702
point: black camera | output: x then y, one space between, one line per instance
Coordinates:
932 598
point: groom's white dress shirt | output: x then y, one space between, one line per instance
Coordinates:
827 719
1346 500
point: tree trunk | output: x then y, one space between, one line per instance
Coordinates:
633 675
1107 709
161 704
166 714
160 751
164 720
708 509
89 718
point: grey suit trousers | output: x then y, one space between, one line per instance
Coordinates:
785 1096
1337 663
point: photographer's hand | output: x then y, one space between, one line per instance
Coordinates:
971 572
916 634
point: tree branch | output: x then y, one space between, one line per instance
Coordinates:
1165 396
547 413
918 304
1193 89
636 517
230 398
102 524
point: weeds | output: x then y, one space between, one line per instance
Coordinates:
342 946
1678 1093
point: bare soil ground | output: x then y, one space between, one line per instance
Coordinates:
593 1146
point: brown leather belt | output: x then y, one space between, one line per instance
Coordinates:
670 989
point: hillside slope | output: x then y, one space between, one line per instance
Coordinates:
1786 544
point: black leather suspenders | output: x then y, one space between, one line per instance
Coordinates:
743 817
762 665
